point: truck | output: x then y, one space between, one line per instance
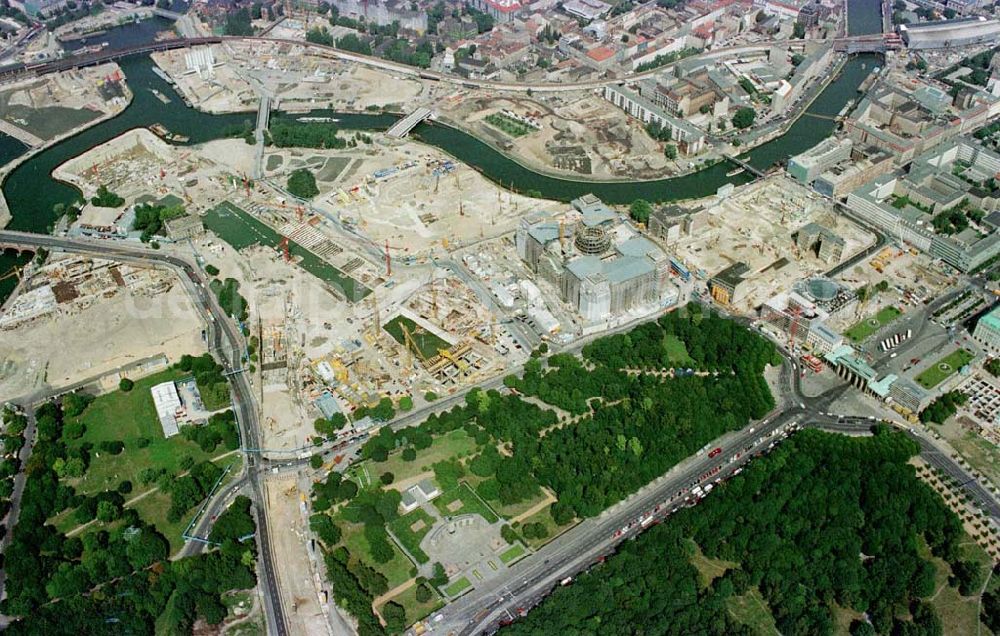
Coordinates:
646 520
566 581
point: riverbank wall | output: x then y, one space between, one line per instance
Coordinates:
5 214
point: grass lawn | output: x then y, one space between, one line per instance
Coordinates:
708 568
512 510
471 504
457 443
415 610
397 571
509 125
512 553
153 508
981 454
402 528
543 517
426 342
842 619
944 368
676 350
960 614
457 587
128 417
752 610
861 330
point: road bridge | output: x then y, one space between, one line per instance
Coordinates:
263 115
403 127
164 13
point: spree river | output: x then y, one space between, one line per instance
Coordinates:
31 192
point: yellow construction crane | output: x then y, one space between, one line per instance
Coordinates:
411 344
447 355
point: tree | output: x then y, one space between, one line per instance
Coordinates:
211 270
395 616
386 478
106 198
409 454
670 150
316 461
430 396
640 210
423 593
302 184
406 403
125 385
319 35
561 513
744 117
107 511
440 577
799 31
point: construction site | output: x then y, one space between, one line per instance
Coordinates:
573 133
77 318
226 78
759 241
40 109
569 133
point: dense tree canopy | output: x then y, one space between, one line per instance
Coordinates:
823 520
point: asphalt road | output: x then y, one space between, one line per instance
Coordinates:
225 341
30 432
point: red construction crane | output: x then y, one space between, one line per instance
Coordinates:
301 212
794 312
388 258
284 248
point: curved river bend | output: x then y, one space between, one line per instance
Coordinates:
31 192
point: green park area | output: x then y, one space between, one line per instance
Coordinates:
501 456
457 587
416 604
934 586
864 328
426 342
676 351
240 229
411 529
944 368
461 500
129 418
512 553
509 125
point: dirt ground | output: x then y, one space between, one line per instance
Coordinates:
289 539
756 227
99 339
580 134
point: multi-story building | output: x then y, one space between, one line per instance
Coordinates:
596 270
827 245
810 164
950 33
904 205
727 286
865 164
690 139
502 11
987 331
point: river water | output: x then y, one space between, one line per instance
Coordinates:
31 192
